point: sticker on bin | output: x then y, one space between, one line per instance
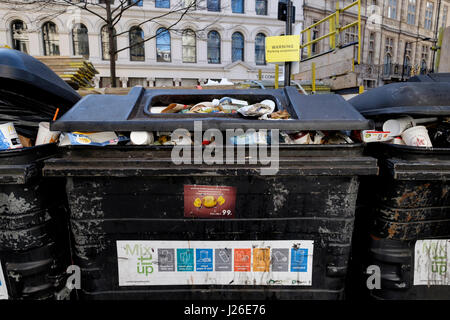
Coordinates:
431 262
152 263
3 289
209 201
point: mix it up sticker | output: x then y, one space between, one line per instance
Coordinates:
209 201
432 263
3 289
148 263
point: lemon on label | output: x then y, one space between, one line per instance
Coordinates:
209 201
198 203
221 200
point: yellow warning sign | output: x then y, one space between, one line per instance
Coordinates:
283 48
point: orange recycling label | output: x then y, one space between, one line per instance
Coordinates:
242 259
261 260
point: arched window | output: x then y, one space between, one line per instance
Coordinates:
387 64
105 42
80 40
407 66
423 67
51 39
189 46
19 36
163 45
137 50
213 47
237 6
260 49
237 47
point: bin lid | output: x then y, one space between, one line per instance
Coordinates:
24 75
412 98
133 111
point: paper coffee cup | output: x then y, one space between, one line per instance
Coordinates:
8 137
141 138
44 135
397 126
417 137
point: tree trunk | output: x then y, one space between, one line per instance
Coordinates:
112 47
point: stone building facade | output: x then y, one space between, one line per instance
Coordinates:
229 45
387 27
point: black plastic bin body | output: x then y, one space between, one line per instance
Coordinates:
136 193
34 248
405 207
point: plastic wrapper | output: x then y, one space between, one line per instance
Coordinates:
91 138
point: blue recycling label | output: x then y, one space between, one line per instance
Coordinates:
185 259
299 260
204 259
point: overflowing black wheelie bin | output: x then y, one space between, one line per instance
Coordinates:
34 234
403 219
147 227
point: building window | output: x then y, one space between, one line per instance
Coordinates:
351 35
138 3
411 18
213 47
213 5
19 36
387 64
423 67
424 59
392 9
191 4
137 50
189 46
261 7
132 82
388 50
260 49
237 6
444 17
162 3
237 47
315 35
80 40
51 39
163 53
105 42
429 15
370 57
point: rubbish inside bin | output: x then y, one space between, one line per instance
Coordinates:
440 135
8 137
91 138
261 109
316 137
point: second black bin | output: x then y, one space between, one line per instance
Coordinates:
403 220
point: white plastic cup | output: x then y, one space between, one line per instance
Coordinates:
417 137
44 135
8 137
142 138
397 126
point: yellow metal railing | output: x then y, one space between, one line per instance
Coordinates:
334 29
